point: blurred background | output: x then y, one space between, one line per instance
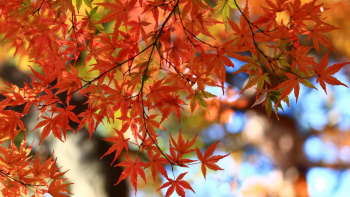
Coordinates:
305 153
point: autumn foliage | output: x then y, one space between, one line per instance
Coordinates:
160 57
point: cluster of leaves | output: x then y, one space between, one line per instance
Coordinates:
147 66
18 176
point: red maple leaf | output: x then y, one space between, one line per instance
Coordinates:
170 102
132 168
182 146
12 121
65 114
301 59
208 160
292 83
177 158
323 73
119 13
177 185
50 125
56 188
156 163
88 117
317 37
119 142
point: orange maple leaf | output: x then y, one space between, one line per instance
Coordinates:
292 83
208 160
119 13
181 146
57 189
323 73
177 185
156 163
132 168
317 37
170 102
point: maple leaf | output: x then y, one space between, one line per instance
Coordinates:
301 59
130 122
148 144
181 146
292 83
49 125
156 163
197 98
37 169
317 37
256 77
154 7
269 19
199 23
178 51
170 102
70 82
119 13
57 188
177 185
108 46
177 158
12 120
18 30
41 41
217 63
137 27
193 6
150 125
266 97
243 33
53 171
208 160
224 6
279 6
88 117
323 72
66 5
133 169
119 142
44 80
59 24
156 92
65 114
13 157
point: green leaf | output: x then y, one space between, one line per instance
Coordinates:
159 46
225 14
201 102
78 4
266 78
224 6
268 108
88 3
93 12
26 3
273 96
25 6
283 62
206 94
100 28
232 4
307 83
